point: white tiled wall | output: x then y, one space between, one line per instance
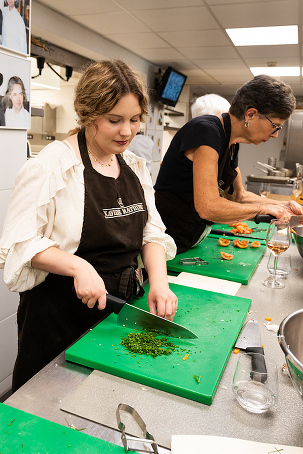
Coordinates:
12 157
9 302
8 350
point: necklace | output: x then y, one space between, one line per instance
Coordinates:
102 165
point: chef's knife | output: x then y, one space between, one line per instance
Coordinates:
133 317
250 341
294 220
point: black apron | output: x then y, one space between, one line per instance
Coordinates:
50 317
178 213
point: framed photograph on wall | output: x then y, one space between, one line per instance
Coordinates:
15 79
15 25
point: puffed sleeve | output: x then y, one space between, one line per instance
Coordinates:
29 221
154 231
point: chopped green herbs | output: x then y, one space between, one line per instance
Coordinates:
149 343
197 378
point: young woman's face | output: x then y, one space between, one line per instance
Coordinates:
16 97
117 128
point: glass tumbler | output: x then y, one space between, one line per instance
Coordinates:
255 391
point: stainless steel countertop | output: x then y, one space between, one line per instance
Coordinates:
43 394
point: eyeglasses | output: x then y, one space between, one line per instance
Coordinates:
277 128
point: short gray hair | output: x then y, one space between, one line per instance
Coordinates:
268 95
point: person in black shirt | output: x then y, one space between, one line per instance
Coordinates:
199 182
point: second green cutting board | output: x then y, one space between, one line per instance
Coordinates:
239 269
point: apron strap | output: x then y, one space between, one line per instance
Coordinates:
83 148
225 167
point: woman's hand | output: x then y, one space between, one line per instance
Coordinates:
162 301
89 286
294 208
283 210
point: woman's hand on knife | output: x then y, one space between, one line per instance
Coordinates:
89 286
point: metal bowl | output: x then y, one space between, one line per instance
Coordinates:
290 337
298 235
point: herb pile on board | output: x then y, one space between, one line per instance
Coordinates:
149 343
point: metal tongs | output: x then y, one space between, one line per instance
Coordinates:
148 438
193 261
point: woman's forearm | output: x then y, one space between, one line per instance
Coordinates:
89 286
54 260
153 256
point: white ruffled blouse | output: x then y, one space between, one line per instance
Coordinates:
46 209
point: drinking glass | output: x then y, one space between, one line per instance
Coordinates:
278 241
297 188
255 391
283 265
264 190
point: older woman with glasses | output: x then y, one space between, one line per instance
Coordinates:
199 182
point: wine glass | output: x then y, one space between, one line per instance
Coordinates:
297 188
264 190
278 241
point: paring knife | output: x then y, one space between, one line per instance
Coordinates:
293 222
250 341
133 317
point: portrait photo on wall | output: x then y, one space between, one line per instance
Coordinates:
15 78
15 25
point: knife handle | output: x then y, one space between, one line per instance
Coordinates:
258 364
263 218
114 304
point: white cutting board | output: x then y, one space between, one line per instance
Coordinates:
212 284
207 444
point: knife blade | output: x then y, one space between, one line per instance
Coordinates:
250 340
227 233
293 222
134 317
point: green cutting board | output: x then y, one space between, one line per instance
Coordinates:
251 225
214 317
239 269
22 432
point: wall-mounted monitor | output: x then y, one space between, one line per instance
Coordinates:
170 87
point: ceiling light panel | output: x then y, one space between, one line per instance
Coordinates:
264 36
276 70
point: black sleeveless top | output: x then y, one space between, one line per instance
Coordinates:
174 186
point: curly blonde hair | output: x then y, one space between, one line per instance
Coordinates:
101 86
